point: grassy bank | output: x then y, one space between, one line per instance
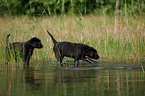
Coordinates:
121 41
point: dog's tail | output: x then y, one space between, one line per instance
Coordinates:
54 41
7 40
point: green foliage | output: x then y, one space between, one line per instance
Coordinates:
53 7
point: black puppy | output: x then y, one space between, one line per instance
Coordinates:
78 51
22 49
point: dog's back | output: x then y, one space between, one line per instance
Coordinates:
71 49
17 47
13 48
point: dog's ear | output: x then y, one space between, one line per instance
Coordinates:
35 43
31 44
90 52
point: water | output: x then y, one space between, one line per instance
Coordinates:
102 79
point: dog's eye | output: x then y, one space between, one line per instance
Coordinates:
38 43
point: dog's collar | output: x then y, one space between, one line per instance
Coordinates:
83 55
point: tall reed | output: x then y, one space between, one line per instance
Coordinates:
124 44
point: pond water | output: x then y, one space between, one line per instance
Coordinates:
101 79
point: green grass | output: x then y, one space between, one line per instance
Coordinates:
126 44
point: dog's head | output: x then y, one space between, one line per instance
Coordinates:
92 53
35 42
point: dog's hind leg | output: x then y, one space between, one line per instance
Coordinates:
8 57
58 57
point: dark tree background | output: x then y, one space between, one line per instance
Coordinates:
53 7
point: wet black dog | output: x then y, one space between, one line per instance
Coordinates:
78 51
22 49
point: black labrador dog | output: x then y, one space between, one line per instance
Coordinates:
22 49
78 51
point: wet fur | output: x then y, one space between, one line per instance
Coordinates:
78 51
22 49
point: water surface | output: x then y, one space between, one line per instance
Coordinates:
101 79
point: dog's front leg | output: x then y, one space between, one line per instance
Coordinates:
88 60
26 61
8 57
76 61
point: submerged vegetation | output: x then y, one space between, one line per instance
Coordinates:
121 41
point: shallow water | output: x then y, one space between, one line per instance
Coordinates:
101 79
